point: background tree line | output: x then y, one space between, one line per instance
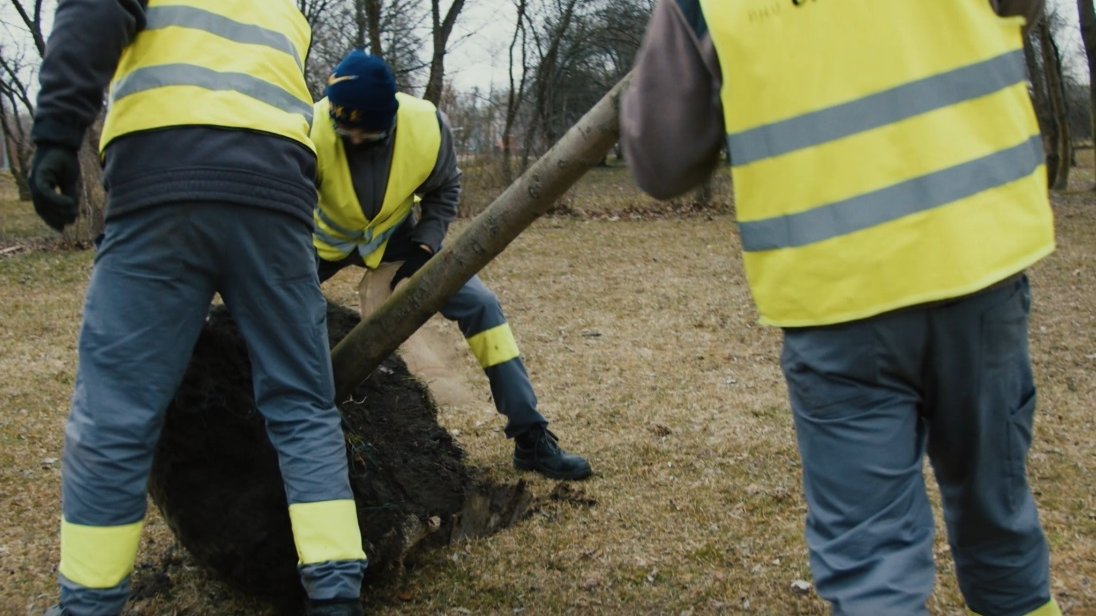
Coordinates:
561 57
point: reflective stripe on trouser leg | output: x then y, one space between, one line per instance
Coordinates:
869 529
147 298
321 531
271 288
981 412
96 562
494 346
1050 608
479 315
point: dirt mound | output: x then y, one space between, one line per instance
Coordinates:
216 479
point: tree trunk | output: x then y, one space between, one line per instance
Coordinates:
580 149
442 28
373 19
1088 35
546 75
1052 67
1040 103
516 95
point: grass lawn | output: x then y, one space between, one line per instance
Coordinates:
642 342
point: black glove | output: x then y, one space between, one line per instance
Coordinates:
418 258
55 167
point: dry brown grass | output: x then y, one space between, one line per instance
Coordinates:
643 346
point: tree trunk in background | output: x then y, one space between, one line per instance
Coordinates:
370 10
441 29
17 147
1039 101
16 79
516 95
93 199
546 70
1088 35
1052 67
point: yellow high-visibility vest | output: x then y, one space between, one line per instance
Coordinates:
884 154
341 226
236 64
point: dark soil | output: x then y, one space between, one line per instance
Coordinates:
216 479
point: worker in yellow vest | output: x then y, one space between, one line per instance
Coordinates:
890 192
210 174
379 152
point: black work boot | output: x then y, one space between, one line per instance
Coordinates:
336 607
538 450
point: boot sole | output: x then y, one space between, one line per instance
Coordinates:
577 475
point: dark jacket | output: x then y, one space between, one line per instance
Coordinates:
440 193
184 164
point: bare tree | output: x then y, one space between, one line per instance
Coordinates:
16 109
32 19
18 71
516 93
1087 16
579 50
371 11
314 10
1060 144
389 29
548 40
441 29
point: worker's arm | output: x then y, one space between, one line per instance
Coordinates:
81 55
440 193
1028 9
671 117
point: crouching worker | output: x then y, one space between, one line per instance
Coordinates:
379 151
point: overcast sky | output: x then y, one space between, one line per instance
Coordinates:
478 56
478 46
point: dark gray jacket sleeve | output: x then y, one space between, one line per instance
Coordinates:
671 117
1029 9
440 193
82 53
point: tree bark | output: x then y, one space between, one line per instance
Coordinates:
372 10
17 75
442 28
516 95
580 149
1052 66
1088 35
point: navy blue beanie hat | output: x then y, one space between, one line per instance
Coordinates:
362 93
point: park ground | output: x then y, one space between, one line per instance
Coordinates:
643 345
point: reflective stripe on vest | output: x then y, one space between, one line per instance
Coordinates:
208 63
888 169
345 241
341 226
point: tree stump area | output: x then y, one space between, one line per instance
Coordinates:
216 479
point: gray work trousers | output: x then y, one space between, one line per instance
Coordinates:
476 309
154 277
869 399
